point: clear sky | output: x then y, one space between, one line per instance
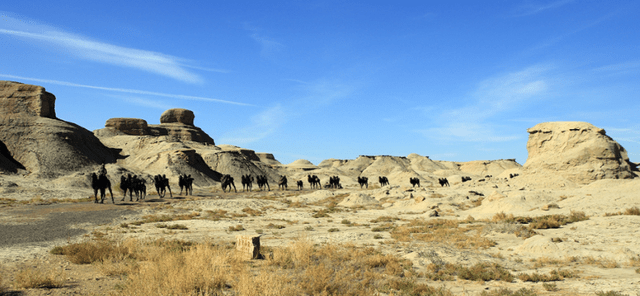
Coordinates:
452 80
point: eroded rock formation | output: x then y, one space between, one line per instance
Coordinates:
129 126
577 151
40 142
177 115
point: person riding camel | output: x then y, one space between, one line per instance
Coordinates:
102 170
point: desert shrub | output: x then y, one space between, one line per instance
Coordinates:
333 230
485 272
252 212
236 228
40 276
632 211
308 228
610 293
178 226
275 226
508 292
554 275
388 219
441 271
217 215
321 214
346 222
384 227
410 287
91 251
551 287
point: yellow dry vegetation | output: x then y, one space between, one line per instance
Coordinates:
171 267
443 231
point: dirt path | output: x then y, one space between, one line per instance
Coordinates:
28 228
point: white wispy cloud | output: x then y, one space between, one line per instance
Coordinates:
535 7
268 45
89 49
124 90
262 125
620 68
494 96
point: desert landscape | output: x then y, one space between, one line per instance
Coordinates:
566 222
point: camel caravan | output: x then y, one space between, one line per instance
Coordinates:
136 184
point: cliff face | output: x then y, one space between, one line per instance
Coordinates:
577 151
40 142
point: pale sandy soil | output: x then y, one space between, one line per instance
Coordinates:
602 238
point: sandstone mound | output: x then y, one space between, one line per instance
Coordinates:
577 151
39 141
129 126
177 115
302 164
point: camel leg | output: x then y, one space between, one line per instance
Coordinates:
111 192
170 194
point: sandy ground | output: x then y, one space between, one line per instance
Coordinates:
288 215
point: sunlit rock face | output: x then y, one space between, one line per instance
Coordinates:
577 151
129 126
20 99
37 140
177 115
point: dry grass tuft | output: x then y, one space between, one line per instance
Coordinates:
508 292
632 211
40 275
252 212
554 275
92 251
236 228
387 219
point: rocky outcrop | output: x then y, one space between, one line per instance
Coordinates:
177 115
268 158
40 142
177 124
26 100
577 151
129 126
181 132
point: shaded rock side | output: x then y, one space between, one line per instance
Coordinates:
40 142
577 151
7 163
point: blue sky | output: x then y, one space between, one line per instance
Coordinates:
453 80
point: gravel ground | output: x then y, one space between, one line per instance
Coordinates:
60 221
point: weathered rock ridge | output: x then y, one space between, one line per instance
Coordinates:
40 142
577 151
175 123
